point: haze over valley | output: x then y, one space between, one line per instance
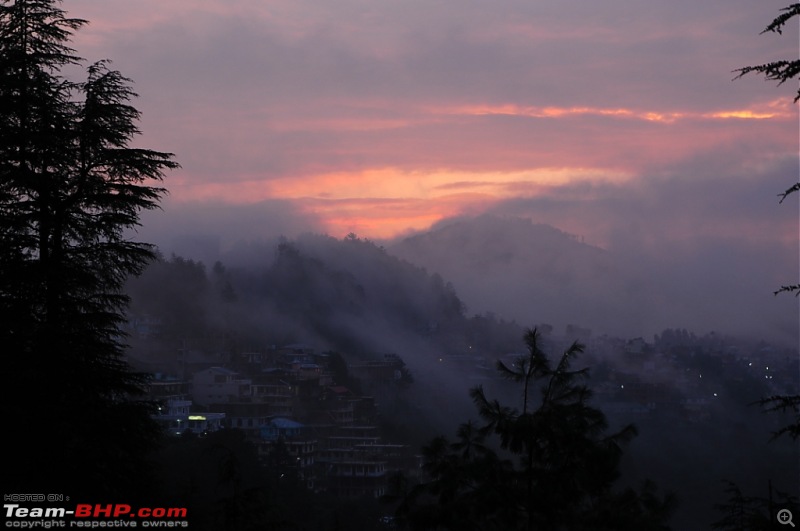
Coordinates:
531 272
366 300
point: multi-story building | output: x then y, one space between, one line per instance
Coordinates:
277 396
218 385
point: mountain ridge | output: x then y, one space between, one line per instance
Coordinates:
532 272
526 271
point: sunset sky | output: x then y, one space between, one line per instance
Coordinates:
380 117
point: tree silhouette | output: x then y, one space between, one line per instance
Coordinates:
752 513
780 71
566 462
469 486
70 189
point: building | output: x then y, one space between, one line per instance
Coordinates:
217 385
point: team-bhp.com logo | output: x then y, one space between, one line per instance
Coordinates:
94 515
85 510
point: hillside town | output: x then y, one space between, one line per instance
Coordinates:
317 415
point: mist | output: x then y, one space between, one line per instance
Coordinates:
452 301
628 260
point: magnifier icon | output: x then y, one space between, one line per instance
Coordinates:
785 517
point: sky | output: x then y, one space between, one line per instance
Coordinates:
607 119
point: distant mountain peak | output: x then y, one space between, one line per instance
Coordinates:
521 269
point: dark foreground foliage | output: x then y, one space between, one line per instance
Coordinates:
741 512
548 463
70 188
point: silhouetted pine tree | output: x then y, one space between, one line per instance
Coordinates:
566 463
70 188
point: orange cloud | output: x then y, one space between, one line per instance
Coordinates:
385 218
384 202
378 218
395 183
776 109
743 114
